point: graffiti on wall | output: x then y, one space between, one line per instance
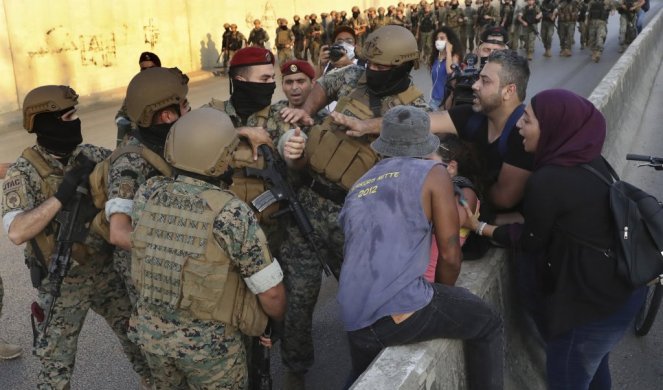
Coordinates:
151 33
94 49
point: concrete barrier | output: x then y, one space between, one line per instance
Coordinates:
622 97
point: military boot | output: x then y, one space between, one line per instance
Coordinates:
9 351
597 56
569 53
530 56
293 381
547 53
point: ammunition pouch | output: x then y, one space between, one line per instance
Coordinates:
248 188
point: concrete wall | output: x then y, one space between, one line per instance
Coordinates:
94 45
621 96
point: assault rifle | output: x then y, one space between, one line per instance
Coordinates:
74 220
261 378
279 191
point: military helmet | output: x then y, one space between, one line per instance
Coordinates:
152 90
202 142
391 45
47 98
226 25
355 9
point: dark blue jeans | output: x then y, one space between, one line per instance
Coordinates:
578 359
453 313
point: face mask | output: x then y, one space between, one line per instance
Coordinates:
440 44
154 136
355 15
454 6
249 97
349 50
389 82
55 135
284 27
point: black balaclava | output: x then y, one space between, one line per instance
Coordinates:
389 82
58 137
154 136
355 15
249 97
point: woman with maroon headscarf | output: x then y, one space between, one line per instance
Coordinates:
584 307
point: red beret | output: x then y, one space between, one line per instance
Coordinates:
252 55
298 66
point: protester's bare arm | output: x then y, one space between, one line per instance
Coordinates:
28 224
120 230
440 122
472 201
440 204
508 191
273 302
357 127
256 136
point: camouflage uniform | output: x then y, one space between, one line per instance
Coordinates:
284 43
125 175
627 21
183 351
314 35
548 7
583 24
426 29
568 14
259 38
276 127
300 36
507 14
483 23
528 14
597 16
301 269
94 285
467 31
453 17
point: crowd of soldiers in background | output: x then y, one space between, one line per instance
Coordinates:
303 39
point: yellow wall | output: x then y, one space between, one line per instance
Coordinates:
93 45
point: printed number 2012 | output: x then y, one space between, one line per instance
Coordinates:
367 191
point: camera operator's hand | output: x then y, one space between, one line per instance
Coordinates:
323 58
73 178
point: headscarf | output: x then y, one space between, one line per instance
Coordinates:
572 129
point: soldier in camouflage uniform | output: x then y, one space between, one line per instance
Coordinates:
628 14
258 36
427 25
300 38
155 99
583 24
145 61
249 107
455 18
567 12
7 350
285 40
314 37
598 12
467 31
359 24
528 18
507 14
487 16
549 17
190 318
391 52
36 187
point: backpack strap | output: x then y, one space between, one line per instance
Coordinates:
508 127
613 175
152 158
38 162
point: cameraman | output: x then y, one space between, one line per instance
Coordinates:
344 43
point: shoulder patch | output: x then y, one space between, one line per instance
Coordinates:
11 184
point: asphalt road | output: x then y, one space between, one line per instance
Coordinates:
637 363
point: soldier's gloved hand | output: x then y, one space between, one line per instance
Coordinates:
71 179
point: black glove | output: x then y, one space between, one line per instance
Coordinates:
83 166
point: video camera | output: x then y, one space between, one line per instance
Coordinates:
464 78
336 51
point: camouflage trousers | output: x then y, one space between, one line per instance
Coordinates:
467 38
303 275
598 29
92 286
299 49
425 44
122 265
314 49
284 55
583 29
530 40
547 29
565 31
222 373
627 30
513 36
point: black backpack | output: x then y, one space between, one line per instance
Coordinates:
638 218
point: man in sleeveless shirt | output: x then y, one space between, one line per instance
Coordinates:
388 219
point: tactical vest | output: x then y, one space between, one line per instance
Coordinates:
568 12
99 182
427 23
598 10
547 9
530 15
282 38
342 159
178 264
50 181
235 41
483 11
452 18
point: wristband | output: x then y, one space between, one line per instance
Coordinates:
479 230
